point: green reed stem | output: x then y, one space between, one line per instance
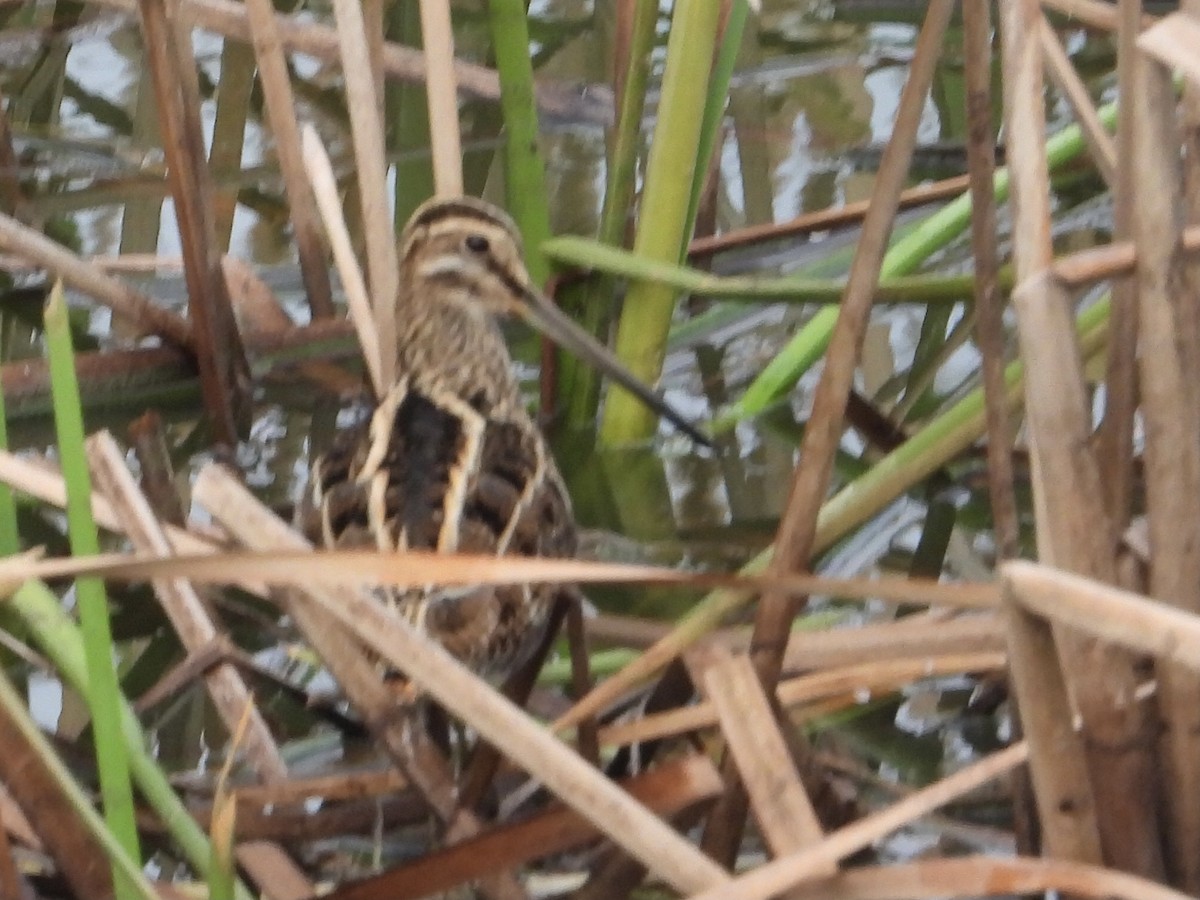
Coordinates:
127 874
587 254
578 384
60 639
926 451
526 175
646 316
105 696
714 109
809 344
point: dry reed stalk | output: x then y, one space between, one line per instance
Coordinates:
782 808
224 374
325 192
157 480
833 217
441 94
668 790
1062 790
229 19
465 695
1189 115
184 608
779 875
281 116
836 685
1173 43
810 481
269 867
315 612
1085 267
127 303
1107 613
1169 358
989 305
29 777
373 20
371 169
673 643
1099 14
1115 434
988 876
1073 528
1058 66
1074 533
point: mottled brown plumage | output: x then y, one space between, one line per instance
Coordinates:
449 459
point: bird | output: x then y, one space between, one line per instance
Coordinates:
449 459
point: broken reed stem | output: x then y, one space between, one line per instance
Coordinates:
87 277
224 374
127 873
1114 437
186 611
1169 362
371 170
1058 65
281 116
496 719
325 192
989 304
782 808
795 540
442 97
774 877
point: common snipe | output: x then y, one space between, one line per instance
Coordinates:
449 459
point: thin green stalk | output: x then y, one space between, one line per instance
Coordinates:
105 696
127 874
525 172
809 344
923 453
646 317
714 109
59 639
578 384
588 254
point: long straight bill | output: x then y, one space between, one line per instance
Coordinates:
552 322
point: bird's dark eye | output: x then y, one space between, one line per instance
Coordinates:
477 243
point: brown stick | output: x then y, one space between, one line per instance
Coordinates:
184 608
781 805
667 790
281 114
989 305
1115 436
404 741
382 267
229 19
1058 65
470 698
774 877
224 374
1075 534
797 531
131 305
1169 365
